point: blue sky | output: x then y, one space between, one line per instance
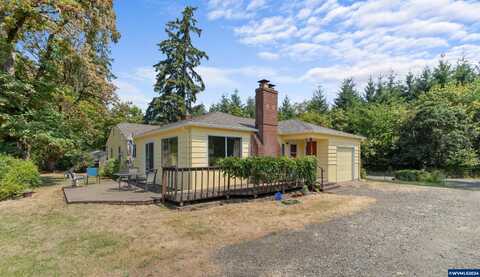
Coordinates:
297 44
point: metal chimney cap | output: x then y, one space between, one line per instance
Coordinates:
271 85
264 81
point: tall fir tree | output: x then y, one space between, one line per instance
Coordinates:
177 81
348 95
464 72
250 107
318 103
286 110
409 91
370 91
442 73
423 83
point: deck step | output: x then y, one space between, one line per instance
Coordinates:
330 186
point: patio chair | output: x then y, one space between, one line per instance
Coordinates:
150 180
74 177
133 177
93 172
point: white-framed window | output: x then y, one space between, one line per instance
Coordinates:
149 162
293 150
170 151
220 147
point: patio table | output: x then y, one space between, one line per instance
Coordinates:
123 176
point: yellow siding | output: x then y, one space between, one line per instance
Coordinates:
335 142
199 143
183 149
322 158
115 140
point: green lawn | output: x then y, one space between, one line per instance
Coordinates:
42 236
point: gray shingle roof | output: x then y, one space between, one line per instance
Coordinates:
128 128
294 126
213 120
228 121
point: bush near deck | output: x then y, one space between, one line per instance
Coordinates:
412 175
270 169
16 176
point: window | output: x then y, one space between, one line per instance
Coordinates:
293 150
111 153
170 151
221 147
149 156
283 149
119 153
134 150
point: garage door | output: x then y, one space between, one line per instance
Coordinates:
344 164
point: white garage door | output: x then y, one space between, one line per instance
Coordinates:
344 164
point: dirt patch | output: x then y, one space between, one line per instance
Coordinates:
107 240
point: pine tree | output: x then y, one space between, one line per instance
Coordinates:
409 91
423 83
442 73
177 81
318 103
348 95
464 72
286 110
370 91
250 107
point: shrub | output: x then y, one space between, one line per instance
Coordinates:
270 169
17 176
108 168
363 173
413 175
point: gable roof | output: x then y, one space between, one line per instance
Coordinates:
294 126
228 121
212 120
134 128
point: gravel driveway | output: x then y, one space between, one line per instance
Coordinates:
409 231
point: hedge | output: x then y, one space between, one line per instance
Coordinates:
270 169
413 175
108 168
17 176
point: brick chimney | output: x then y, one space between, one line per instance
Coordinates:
266 119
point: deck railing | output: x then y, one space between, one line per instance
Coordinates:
188 184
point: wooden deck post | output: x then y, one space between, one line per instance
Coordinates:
164 185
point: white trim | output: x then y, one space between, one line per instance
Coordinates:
352 148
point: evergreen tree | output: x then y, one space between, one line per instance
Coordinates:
423 83
370 91
348 95
380 88
286 110
464 73
442 73
250 107
233 105
409 91
177 81
318 103
198 110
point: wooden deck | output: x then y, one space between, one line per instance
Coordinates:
180 198
107 192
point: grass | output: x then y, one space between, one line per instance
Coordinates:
42 236
416 183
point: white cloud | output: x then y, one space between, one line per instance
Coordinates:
234 9
371 34
267 30
129 92
268 56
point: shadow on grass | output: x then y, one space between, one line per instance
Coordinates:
52 180
451 184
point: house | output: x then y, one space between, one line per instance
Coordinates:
200 141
